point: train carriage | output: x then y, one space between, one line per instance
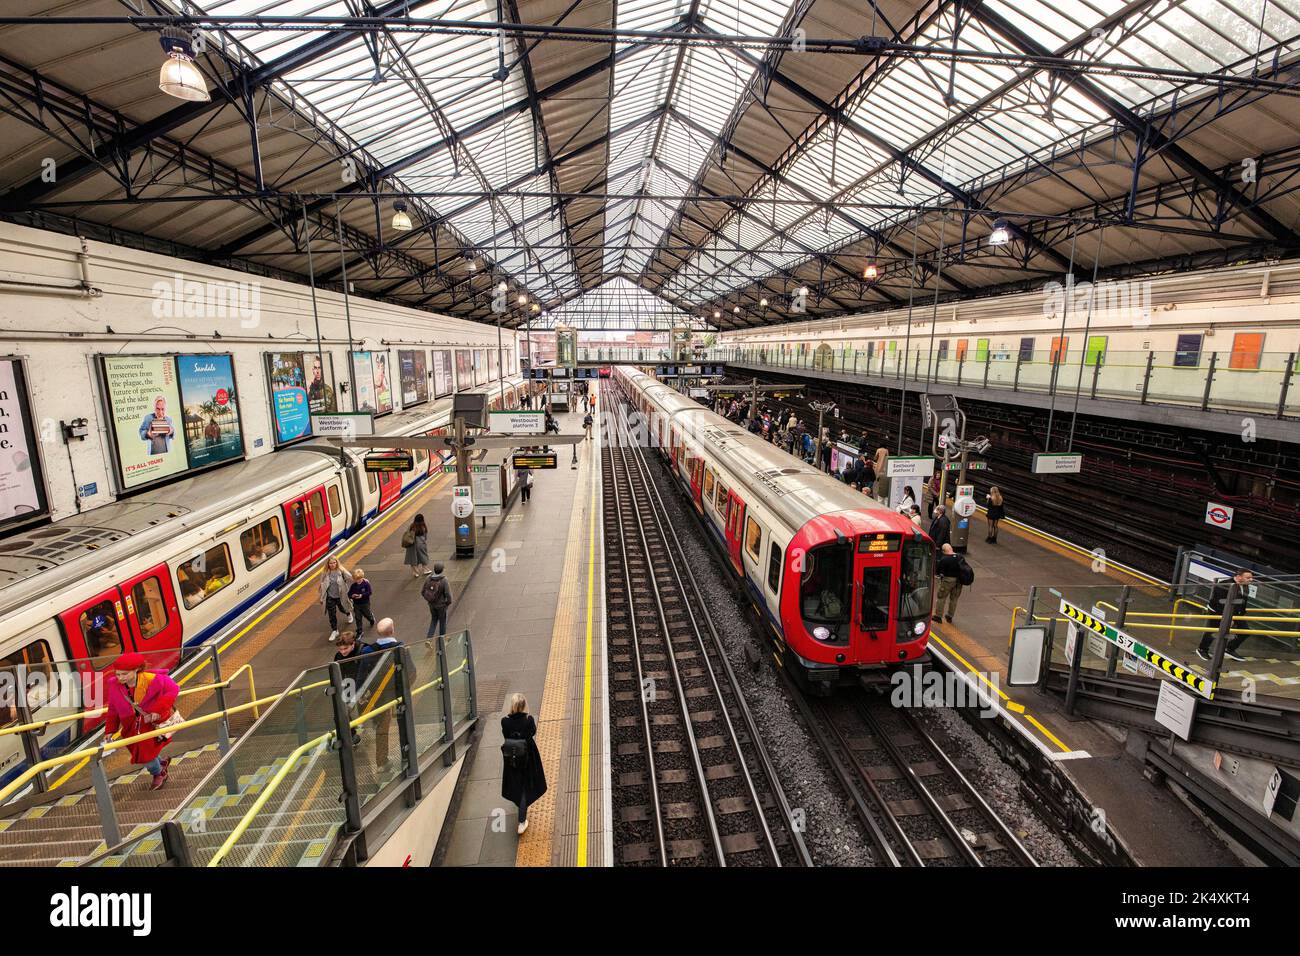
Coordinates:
176 565
843 582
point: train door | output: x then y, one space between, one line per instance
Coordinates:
154 616
98 631
697 480
390 488
875 571
735 529
309 529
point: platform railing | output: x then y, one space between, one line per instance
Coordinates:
1263 383
345 734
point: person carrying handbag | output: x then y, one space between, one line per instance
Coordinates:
137 701
416 543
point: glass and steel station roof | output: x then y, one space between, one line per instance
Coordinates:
734 161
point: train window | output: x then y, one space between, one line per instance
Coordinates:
774 568
150 607
317 510
753 538
99 629
262 541
916 574
204 576
298 515
1027 349
36 658
708 485
336 506
824 591
1187 354
370 480
722 500
875 598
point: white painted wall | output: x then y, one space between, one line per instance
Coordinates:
59 331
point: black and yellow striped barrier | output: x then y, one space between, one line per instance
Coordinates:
1202 685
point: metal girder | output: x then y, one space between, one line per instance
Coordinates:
1145 131
130 139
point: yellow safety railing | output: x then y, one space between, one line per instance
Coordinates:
109 746
291 761
95 712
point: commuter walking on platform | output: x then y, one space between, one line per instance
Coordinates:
416 543
953 573
994 513
586 402
1218 601
437 593
333 593
137 701
525 479
359 592
587 422
523 778
940 527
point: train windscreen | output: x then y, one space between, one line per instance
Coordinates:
824 592
916 574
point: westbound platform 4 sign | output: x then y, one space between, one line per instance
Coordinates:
1202 685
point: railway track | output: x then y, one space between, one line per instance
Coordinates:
693 783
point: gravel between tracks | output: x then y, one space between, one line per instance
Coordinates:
833 834
997 783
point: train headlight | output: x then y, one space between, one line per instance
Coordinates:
918 628
822 633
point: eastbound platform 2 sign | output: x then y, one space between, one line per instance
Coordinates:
1202 685
909 467
388 463
535 460
1045 464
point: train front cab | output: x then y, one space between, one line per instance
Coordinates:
856 606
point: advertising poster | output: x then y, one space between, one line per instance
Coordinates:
415 377
363 385
442 381
464 370
480 367
383 382
211 413
290 408
320 382
22 488
145 407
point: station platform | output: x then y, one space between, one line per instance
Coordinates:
1144 816
538 627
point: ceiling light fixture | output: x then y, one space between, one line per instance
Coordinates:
871 272
179 76
401 220
1001 233
501 286
717 314
762 303
523 298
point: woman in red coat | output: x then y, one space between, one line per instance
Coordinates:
137 701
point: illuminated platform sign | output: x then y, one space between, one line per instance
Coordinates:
534 460
690 371
1202 685
389 463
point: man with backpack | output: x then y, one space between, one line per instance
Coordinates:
954 573
437 593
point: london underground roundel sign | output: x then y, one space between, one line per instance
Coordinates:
1218 516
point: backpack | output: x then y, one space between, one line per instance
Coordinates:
514 754
965 573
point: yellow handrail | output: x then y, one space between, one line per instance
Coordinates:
111 745
88 714
278 778
1015 611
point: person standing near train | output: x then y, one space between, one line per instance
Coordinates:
137 701
995 513
333 593
416 543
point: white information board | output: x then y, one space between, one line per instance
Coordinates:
909 467
342 424
516 422
1175 709
486 481
1045 464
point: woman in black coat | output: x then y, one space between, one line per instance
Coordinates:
523 781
